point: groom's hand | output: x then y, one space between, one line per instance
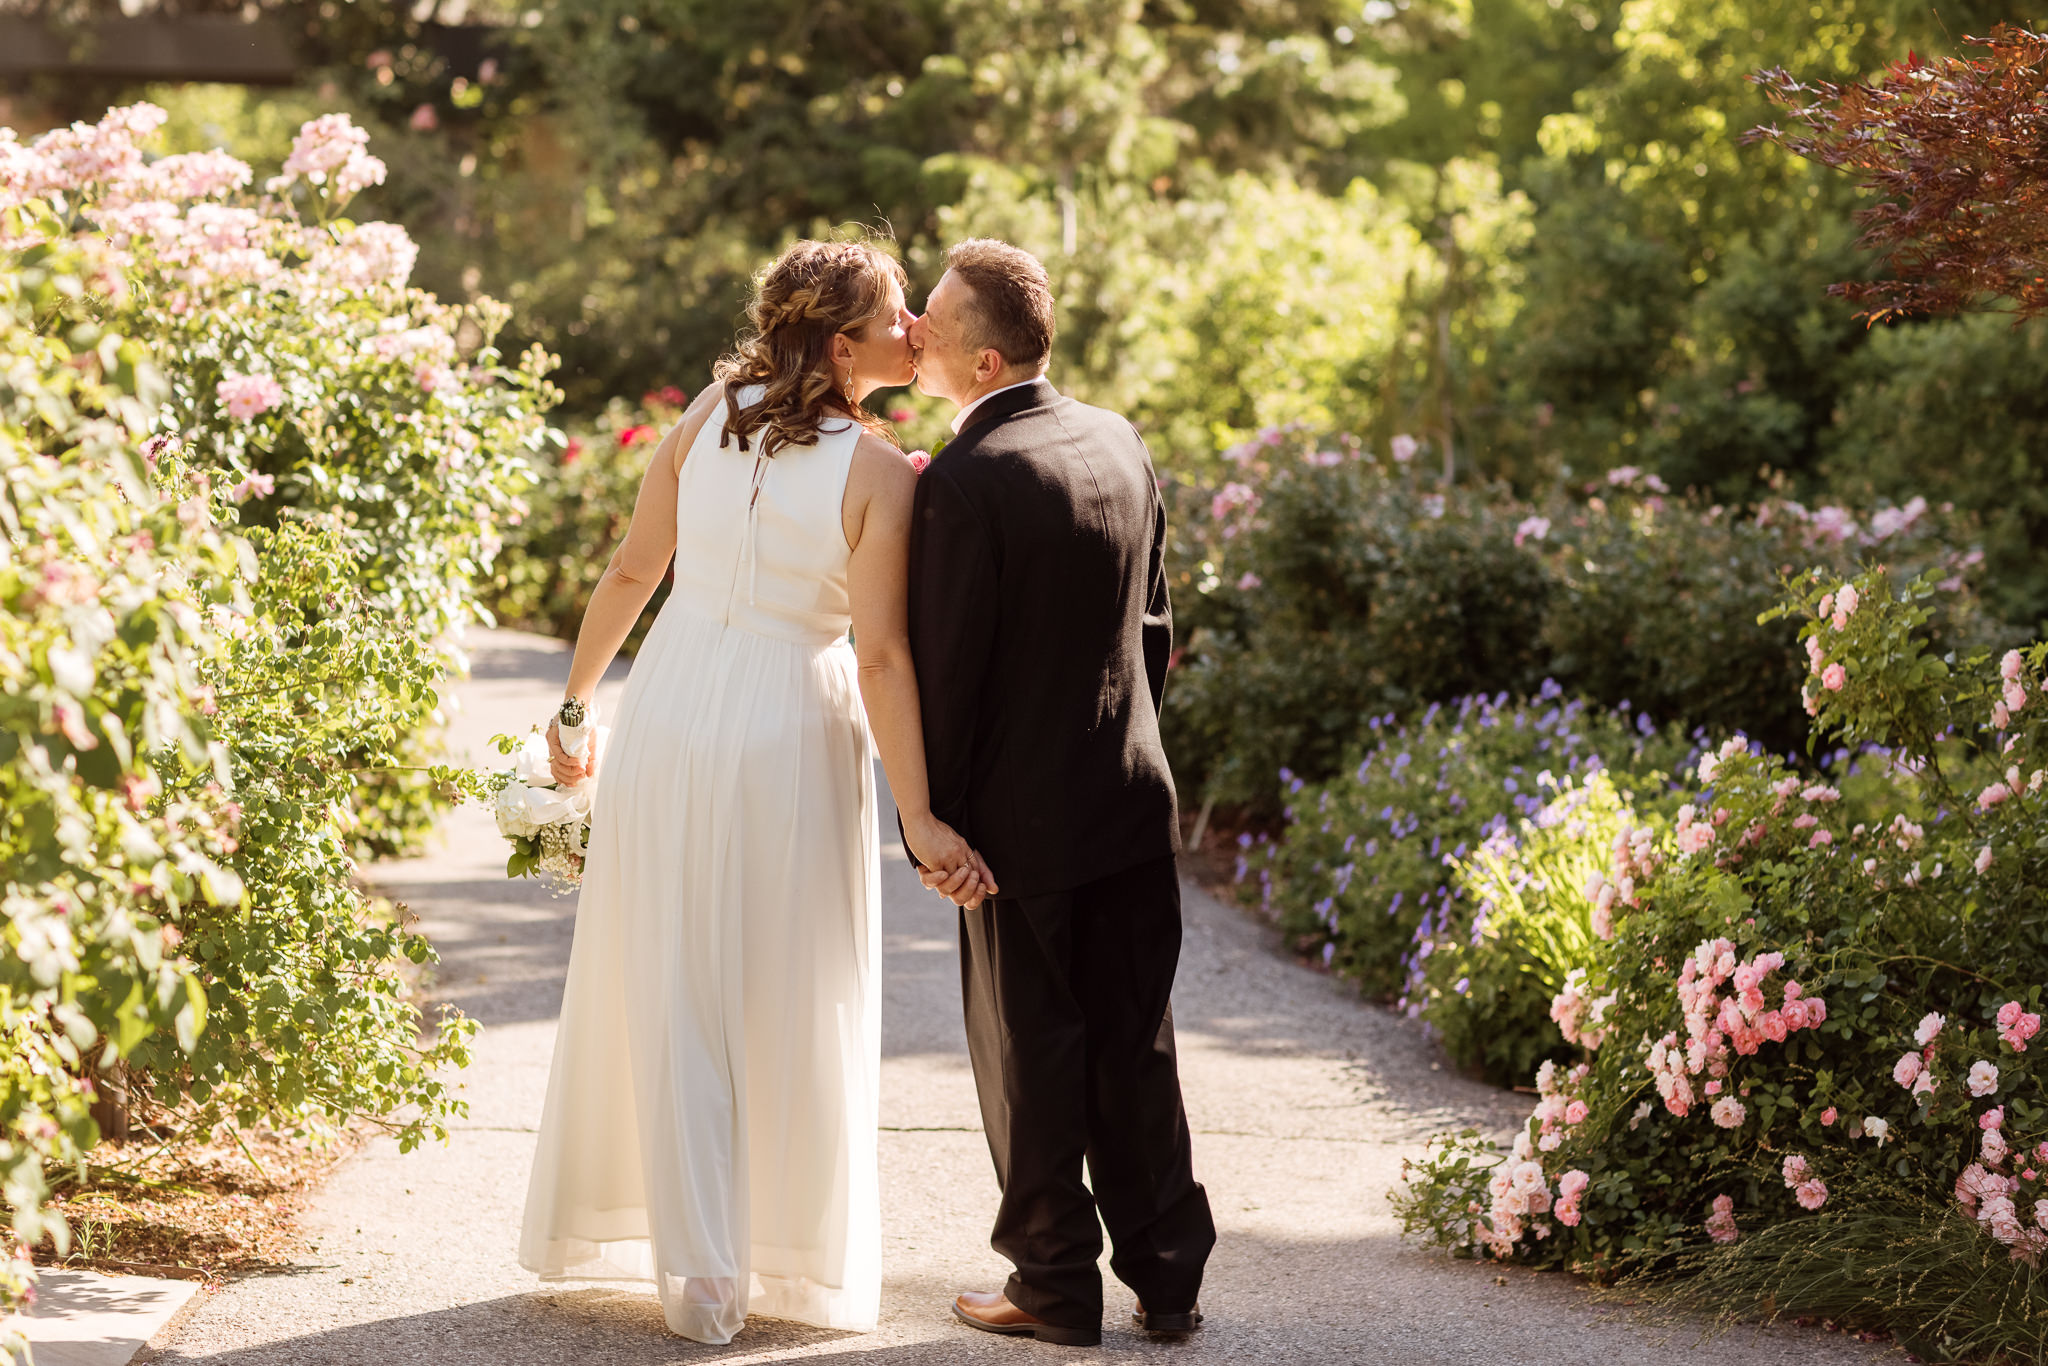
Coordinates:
968 885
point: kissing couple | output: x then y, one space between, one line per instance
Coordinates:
711 1112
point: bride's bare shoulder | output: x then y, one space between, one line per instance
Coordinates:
883 464
684 434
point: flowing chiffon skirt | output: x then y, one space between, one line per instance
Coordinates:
711 1110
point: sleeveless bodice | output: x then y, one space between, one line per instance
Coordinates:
760 545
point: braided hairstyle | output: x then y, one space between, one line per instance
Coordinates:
813 291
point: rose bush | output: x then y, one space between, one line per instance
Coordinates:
1323 583
234 583
309 377
1817 1020
105 587
576 514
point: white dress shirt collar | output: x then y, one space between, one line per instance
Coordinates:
960 418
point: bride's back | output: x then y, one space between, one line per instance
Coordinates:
760 543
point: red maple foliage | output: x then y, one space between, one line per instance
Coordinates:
1956 149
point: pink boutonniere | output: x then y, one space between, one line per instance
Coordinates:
920 459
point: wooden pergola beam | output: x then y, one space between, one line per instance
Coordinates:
194 47
199 47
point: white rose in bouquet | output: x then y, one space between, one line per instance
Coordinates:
547 824
514 811
530 761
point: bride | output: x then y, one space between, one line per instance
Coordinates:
711 1108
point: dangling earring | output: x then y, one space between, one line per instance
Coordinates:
851 402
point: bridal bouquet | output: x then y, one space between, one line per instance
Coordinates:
548 825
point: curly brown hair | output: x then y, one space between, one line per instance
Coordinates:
812 292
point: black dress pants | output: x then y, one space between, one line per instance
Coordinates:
1070 1031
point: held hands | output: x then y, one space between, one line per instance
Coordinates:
950 866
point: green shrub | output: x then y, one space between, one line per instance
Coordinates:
1325 583
104 586
1806 1001
1501 972
203 729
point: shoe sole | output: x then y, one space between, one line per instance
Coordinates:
1043 1332
1169 1325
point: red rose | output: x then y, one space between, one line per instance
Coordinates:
572 453
634 433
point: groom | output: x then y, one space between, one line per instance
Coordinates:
1040 628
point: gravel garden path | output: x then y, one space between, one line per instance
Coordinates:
1303 1103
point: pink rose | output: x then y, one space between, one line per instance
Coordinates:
1833 677
1907 1070
1829 1116
1811 1194
248 395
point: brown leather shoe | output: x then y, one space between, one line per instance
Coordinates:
995 1314
1168 1325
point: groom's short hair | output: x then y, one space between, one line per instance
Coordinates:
1012 313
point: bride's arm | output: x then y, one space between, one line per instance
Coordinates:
635 569
877 514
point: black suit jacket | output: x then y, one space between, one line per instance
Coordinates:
1040 625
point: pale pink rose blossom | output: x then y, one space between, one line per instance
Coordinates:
1820 839
1794 1169
1984 859
1834 677
1728 1112
2011 665
255 486
2000 717
1907 1070
1993 795
1929 1028
2016 1025
1721 1223
1983 1078
2015 696
246 396
1994 1148
1829 1116
1811 1194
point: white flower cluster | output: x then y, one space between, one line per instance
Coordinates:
550 823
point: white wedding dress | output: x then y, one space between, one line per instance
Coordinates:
711 1110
